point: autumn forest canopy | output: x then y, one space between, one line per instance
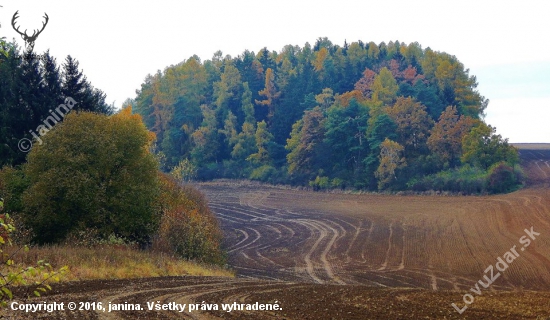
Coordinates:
363 115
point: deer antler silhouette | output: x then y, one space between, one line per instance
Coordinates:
29 40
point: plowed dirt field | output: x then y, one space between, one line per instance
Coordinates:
349 256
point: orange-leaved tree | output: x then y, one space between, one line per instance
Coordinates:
413 123
188 228
445 139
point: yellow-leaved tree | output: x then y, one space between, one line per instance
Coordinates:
391 160
384 87
482 147
270 93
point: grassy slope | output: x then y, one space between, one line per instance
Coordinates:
115 262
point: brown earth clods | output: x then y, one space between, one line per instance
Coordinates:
351 256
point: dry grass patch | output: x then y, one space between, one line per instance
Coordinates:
115 262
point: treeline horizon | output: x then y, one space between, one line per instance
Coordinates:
362 115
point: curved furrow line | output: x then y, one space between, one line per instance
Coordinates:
543 172
388 278
499 200
272 241
258 273
437 281
497 219
254 214
310 269
259 247
433 281
293 214
337 255
243 240
226 217
338 225
261 256
367 242
385 264
326 265
399 279
236 206
289 229
258 236
254 217
229 218
402 264
246 256
256 201
368 278
446 276
344 221
357 231
277 231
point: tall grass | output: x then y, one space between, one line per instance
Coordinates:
114 262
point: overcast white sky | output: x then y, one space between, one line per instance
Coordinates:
505 43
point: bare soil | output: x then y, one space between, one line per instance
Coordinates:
356 256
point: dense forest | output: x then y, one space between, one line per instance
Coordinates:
31 86
363 116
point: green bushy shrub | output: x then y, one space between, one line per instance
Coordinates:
320 183
500 177
503 178
264 173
